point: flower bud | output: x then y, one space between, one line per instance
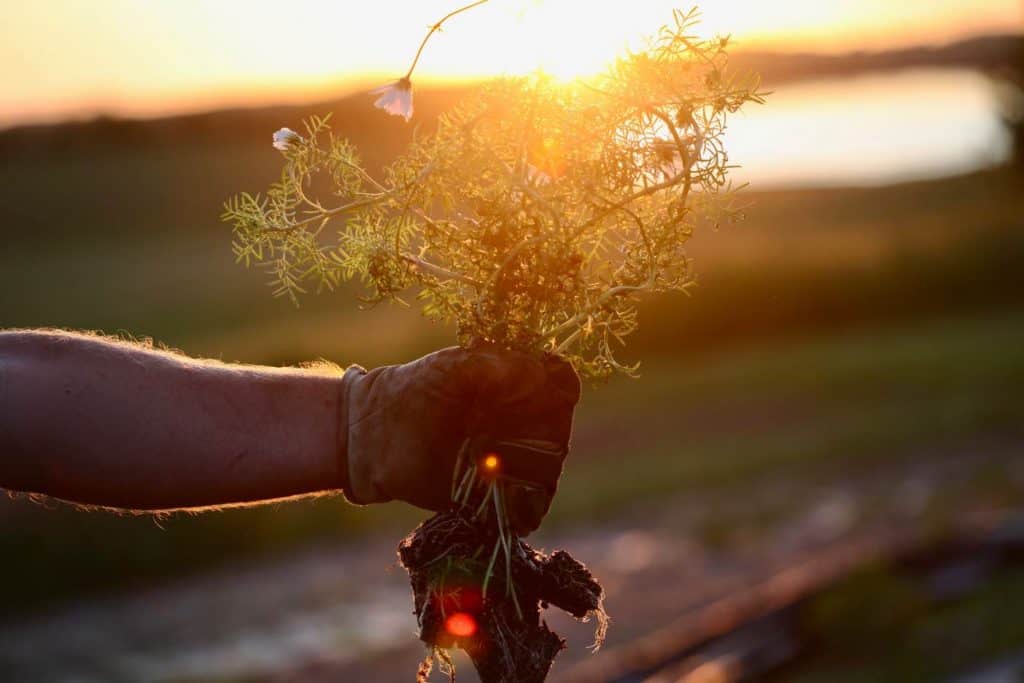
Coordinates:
285 138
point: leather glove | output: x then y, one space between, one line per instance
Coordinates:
407 423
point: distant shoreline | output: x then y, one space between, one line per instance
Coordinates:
984 53
988 53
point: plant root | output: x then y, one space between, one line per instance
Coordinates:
462 600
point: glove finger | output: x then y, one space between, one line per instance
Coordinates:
527 507
536 462
562 378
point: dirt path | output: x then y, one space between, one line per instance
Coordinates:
344 613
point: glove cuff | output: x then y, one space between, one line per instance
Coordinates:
352 375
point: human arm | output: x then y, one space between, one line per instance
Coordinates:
113 424
107 423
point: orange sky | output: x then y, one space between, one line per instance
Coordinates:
63 58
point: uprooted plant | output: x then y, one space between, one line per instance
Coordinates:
478 587
534 217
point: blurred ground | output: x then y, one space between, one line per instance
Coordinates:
331 614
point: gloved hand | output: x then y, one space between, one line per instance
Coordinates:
407 423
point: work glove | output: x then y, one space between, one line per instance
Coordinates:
404 427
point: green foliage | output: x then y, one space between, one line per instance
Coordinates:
877 626
534 216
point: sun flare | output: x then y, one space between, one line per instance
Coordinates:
127 57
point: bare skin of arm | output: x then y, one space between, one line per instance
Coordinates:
108 423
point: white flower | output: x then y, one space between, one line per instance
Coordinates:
284 138
395 98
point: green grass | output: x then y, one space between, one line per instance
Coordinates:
878 626
830 406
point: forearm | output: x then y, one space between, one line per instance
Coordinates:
112 424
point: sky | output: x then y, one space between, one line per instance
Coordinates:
73 58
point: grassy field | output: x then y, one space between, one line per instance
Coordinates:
834 330
804 262
830 406
878 626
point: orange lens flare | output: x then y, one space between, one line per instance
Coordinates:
491 462
547 155
460 625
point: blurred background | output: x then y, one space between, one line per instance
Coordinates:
819 476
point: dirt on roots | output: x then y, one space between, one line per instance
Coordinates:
469 595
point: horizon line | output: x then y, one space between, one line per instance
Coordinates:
211 101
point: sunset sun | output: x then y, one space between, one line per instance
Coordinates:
148 58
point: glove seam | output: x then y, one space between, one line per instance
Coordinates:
352 373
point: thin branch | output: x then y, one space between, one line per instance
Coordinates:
652 278
526 187
366 176
433 29
567 342
370 200
675 135
512 253
338 210
601 301
438 271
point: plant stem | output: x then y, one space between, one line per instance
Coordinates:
433 29
567 342
515 601
487 496
436 270
490 568
601 301
469 486
500 514
460 459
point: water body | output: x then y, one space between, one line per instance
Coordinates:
870 130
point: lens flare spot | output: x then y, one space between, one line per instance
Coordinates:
491 462
460 625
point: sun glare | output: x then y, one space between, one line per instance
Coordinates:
571 38
128 57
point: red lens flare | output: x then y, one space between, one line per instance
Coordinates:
460 625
